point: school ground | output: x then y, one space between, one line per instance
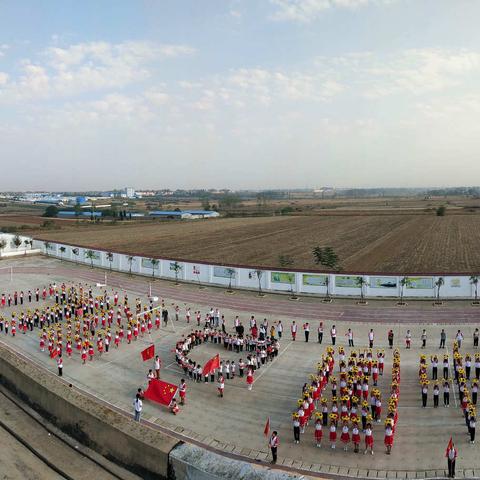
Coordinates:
235 423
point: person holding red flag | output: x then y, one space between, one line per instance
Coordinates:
211 365
182 390
273 444
451 454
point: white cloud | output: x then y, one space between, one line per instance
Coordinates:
3 78
305 11
420 70
89 67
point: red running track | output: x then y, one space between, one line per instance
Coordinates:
271 305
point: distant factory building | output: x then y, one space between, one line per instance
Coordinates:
129 192
72 214
184 214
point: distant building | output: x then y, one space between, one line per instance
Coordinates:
130 192
169 214
72 214
184 214
202 213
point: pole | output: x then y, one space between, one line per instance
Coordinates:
11 274
149 289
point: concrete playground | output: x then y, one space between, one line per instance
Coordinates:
235 423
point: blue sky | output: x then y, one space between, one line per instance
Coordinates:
239 94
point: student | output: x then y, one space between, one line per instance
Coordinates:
436 395
320 332
296 428
318 432
368 439
371 337
446 394
388 436
333 336
471 428
333 433
138 405
443 338
390 338
424 338
273 444
451 454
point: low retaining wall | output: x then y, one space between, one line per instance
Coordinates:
135 446
145 451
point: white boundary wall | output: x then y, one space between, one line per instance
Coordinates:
11 250
378 285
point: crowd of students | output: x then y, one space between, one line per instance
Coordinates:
353 409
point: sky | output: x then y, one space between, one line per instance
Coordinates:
240 94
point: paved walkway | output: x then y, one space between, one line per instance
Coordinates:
234 426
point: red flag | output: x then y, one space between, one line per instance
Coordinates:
54 352
148 353
266 431
160 391
211 365
449 446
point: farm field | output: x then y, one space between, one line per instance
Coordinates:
405 243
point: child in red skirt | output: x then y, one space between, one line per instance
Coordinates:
355 437
369 438
388 435
333 433
318 432
345 437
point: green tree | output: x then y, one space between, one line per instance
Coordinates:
154 262
62 251
325 256
47 246
474 281
51 211
16 242
286 261
441 211
231 273
361 283
404 283
3 245
130 260
206 203
327 284
229 202
439 284
109 256
177 268
259 275
76 252
77 209
90 254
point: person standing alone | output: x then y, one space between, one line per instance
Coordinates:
273 444
451 454
306 331
138 404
